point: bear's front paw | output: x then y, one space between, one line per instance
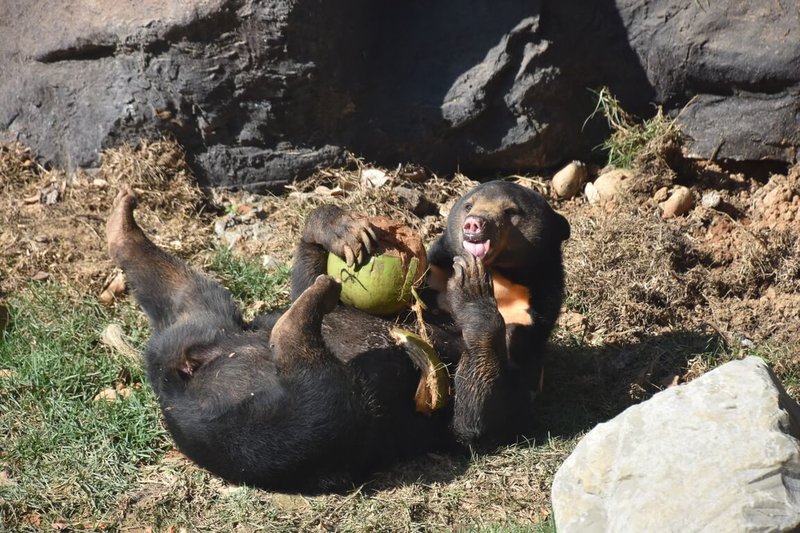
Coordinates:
353 239
470 288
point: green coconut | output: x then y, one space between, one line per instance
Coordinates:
385 284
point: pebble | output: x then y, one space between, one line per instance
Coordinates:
373 178
607 186
679 203
661 195
567 181
711 199
591 194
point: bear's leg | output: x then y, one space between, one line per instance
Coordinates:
165 287
297 335
484 393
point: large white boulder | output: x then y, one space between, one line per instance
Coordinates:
718 454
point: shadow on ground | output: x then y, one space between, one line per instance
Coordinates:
586 385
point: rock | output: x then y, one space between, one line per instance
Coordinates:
568 181
661 195
679 203
373 178
711 199
720 453
114 290
41 276
591 194
416 202
263 92
608 186
693 53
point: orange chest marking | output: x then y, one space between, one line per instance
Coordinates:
513 301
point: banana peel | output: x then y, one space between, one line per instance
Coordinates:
433 391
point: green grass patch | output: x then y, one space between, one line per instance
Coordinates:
632 139
66 455
249 282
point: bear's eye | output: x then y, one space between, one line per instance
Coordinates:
468 207
512 212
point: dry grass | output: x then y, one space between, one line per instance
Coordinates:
52 224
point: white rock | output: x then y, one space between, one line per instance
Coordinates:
567 181
591 194
680 202
373 178
608 186
720 453
711 199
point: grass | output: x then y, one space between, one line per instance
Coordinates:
631 138
68 456
249 282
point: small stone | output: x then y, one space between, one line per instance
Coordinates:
51 197
567 181
591 194
40 276
711 199
114 290
416 202
372 178
610 184
100 183
679 203
220 226
270 263
661 195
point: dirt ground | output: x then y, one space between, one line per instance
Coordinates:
727 273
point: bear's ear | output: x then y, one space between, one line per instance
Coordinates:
196 356
562 229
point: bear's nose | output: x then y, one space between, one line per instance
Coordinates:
474 225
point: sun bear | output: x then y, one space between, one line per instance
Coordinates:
318 397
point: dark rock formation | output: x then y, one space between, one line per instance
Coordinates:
262 91
730 68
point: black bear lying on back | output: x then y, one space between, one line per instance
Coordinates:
319 397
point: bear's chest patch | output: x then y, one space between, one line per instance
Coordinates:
513 300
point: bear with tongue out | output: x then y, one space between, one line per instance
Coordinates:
517 237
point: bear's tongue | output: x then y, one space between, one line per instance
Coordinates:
478 249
